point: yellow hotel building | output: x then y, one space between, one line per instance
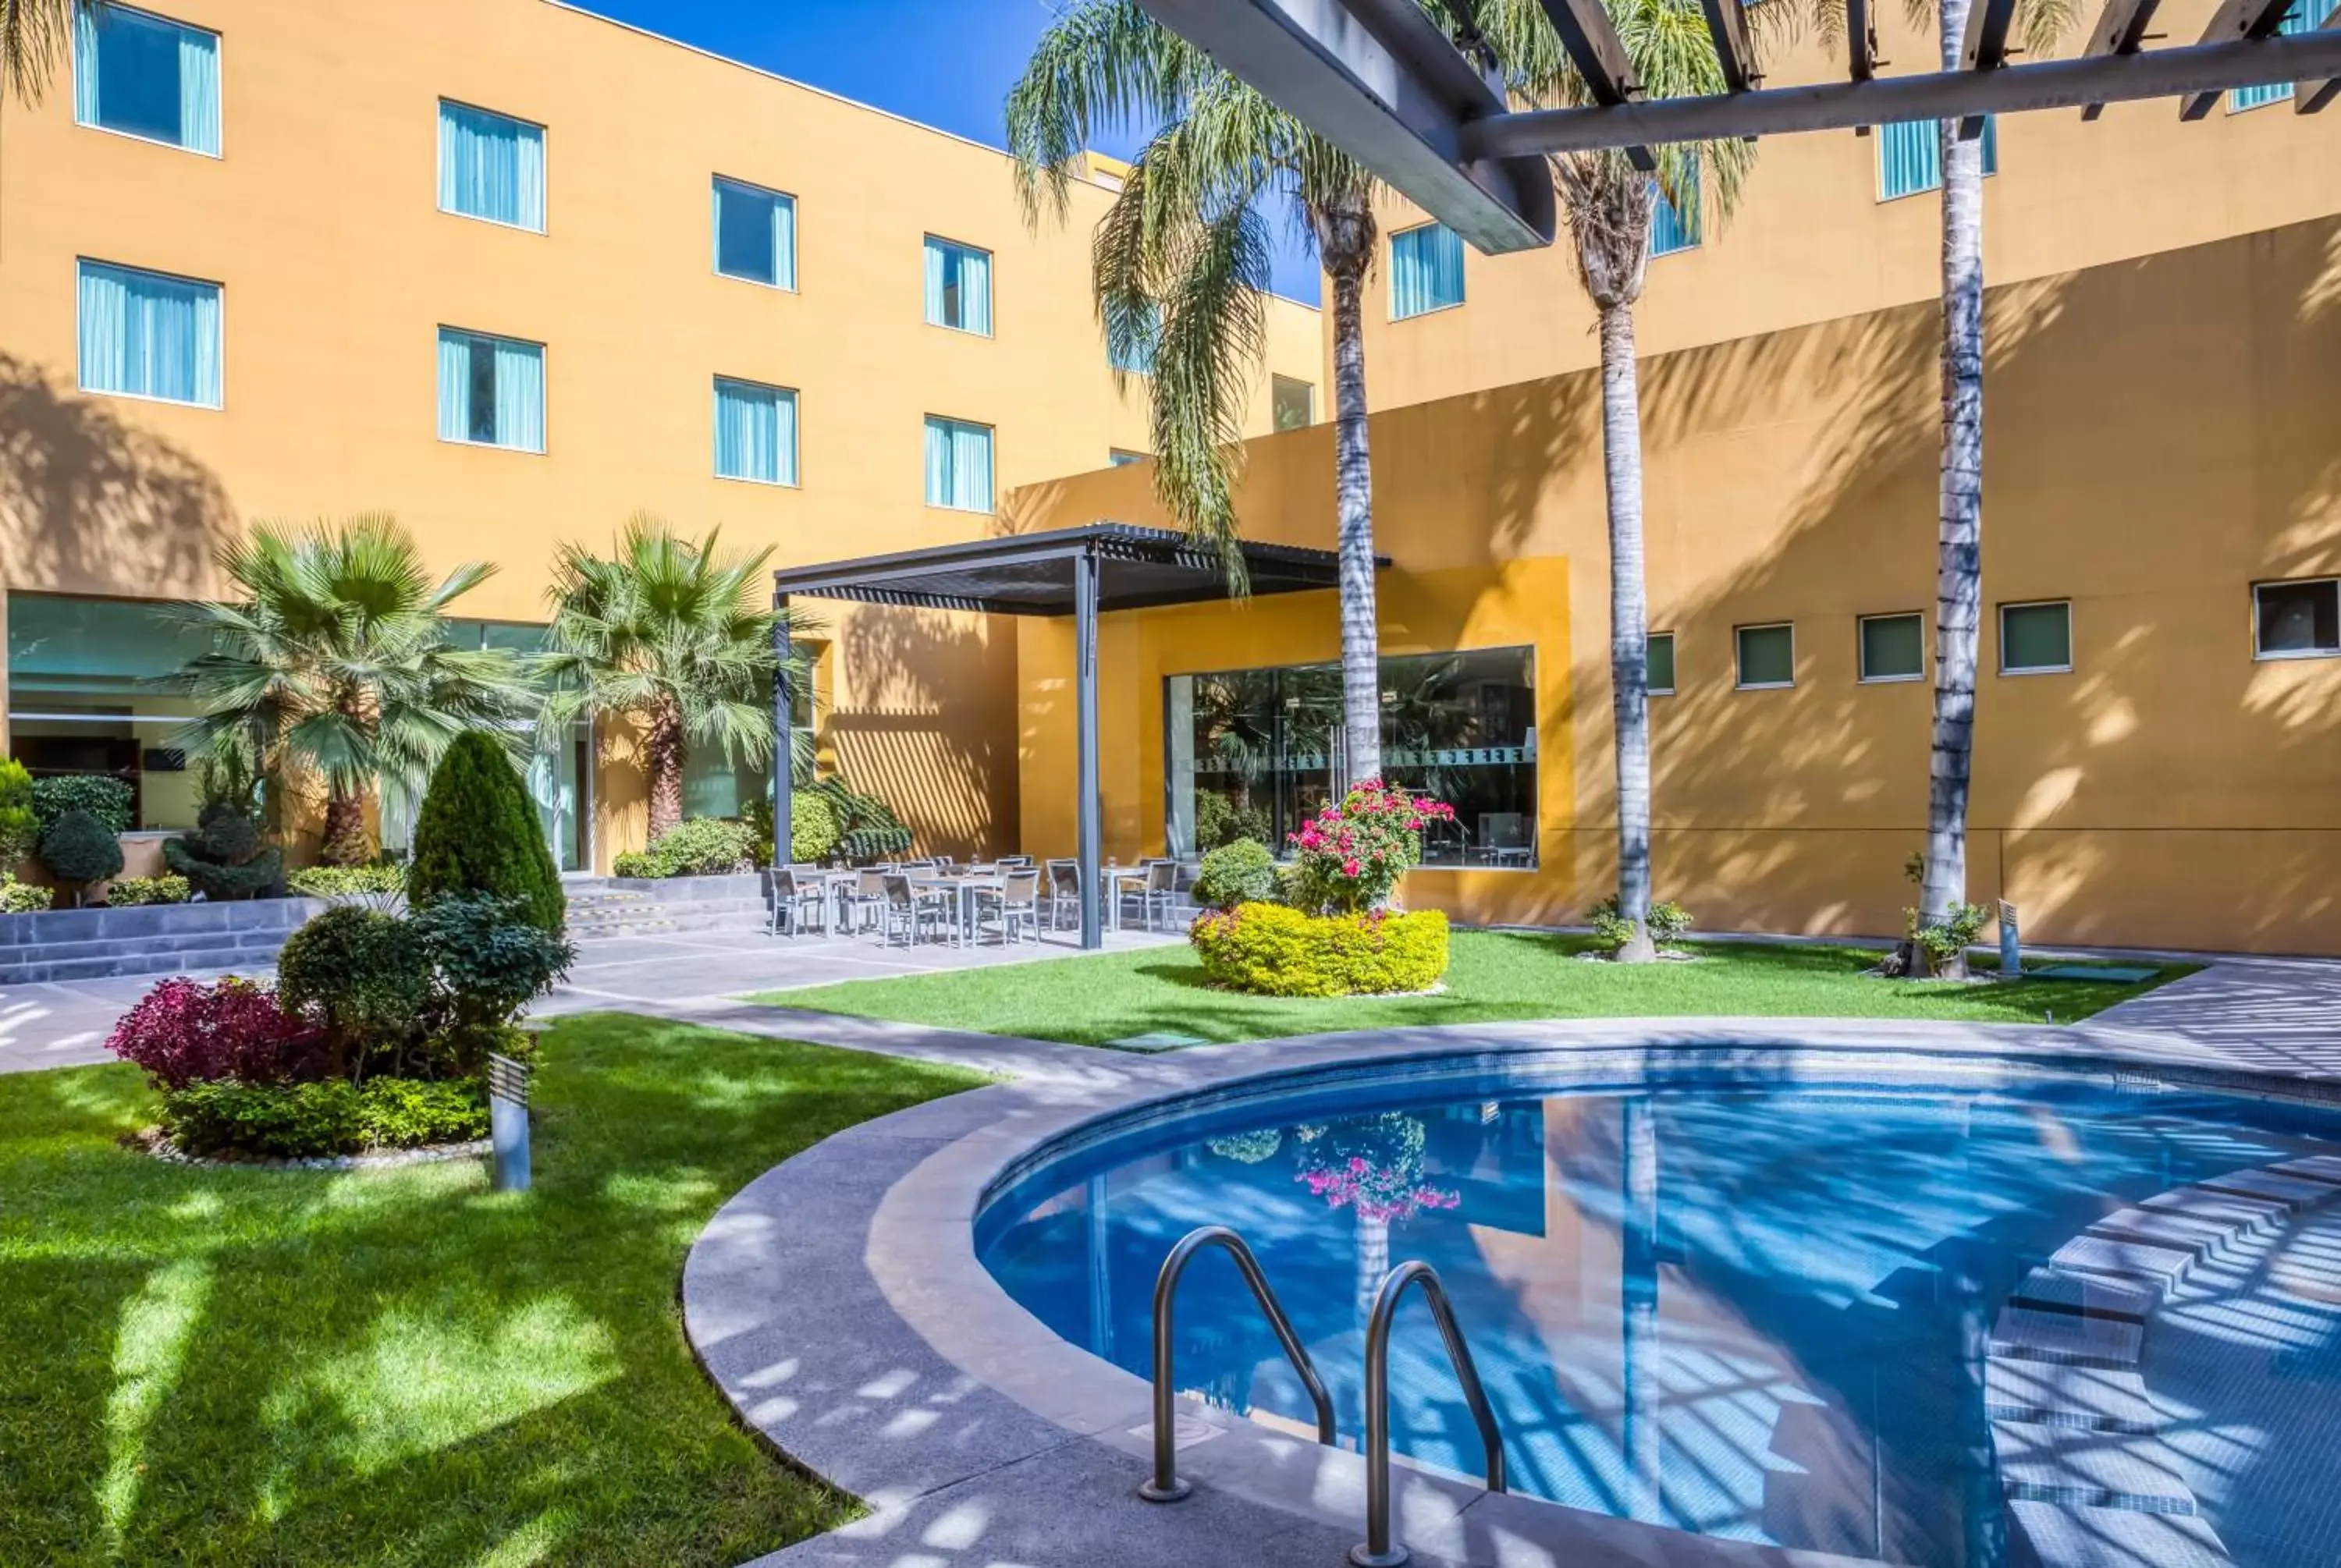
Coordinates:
2159 755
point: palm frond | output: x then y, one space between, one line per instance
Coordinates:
1101 64
35 37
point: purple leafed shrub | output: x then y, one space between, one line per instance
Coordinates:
187 1031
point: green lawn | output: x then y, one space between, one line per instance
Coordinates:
1496 976
401 1366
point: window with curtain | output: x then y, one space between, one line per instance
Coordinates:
959 464
958 287
1293 402
755 431
1675 227
1911 156
1137 356
755 235
145 75
149 334
490 390
1426 270
491 166
2299 21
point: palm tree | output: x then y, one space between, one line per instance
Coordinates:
337 662
32 39
1180 267
1608 205
672 633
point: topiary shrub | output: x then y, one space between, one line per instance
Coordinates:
129 892
20 825
226 856
488 962
101 794
78 850
1272 950
478 833
365 976
189 1031
23 898
1243 872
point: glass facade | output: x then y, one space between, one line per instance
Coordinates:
83 697
1252 753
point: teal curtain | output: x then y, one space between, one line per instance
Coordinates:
146 76
455 385
1911 156
520 395
785 242
2299 21
755 431
199 92
491 166
1426 270
975 291
85 109
507 370
147 334
935 283
1675 227
957 286
959 464
755 235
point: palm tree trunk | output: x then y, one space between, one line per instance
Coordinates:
345 842
1958 569
1621 454
667 754
1353 482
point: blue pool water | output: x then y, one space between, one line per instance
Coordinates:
1748 1309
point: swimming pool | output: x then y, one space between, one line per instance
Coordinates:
1748 1303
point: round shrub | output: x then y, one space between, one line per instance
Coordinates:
1668 921
478 833
101 794
23 898
1243 872
20 826
812 828
636 865
1271 950
79 849
366 973
190 1031
703 846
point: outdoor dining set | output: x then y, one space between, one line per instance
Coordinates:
938 899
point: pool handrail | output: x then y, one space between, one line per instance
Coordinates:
1376 1550
1165 1485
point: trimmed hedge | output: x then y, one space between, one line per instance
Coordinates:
25 898
129 892
1271 950
101 794
348 881
306 1121
478 833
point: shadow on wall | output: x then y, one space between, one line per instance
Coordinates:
931 696
89 502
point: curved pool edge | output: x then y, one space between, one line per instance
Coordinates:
839 1303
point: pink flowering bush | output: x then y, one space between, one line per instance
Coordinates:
185 1031
1373 1166
1350 855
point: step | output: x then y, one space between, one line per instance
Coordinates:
2325 1168
2090 1469
2050 1394
136 947
2178 1232
2159 1267
2053 1289
2063 1537
2292 1192
247 958
2023 1333
2248 1215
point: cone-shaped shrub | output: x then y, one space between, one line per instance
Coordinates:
478 833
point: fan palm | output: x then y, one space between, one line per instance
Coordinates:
32 37
335 660
671 633
1180 270
1608 205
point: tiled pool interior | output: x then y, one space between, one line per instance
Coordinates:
1748 1311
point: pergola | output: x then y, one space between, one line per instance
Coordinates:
1083 572
1379 79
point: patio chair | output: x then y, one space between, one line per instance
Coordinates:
908 908
800 904
1015 904
1158 889
1064 893
865 900
1015 862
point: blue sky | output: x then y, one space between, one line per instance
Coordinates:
948 62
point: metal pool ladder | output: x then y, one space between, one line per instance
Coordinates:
1165 1485
1377 1550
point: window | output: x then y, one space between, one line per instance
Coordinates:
491 166
1767 655
1910 157
755 431
958 287
1894 647
2296 620
1122 458
1253 753
1659 660
959 464
2035 638
1292 403
145 77
755 235
1135 353
1426 270
149 334
490 390
2299 21
1676 228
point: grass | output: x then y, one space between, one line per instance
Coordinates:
1496 976
401 1366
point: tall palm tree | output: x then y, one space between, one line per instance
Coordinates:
1180 267
33 35
337 662
669 631
1608 205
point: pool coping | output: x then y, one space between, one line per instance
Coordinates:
838 1302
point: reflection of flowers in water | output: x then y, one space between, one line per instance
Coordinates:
1372 1165
1247 1148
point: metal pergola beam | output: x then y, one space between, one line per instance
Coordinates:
1599 56
2310 96
1726 24
1936 95
2120 30
2237 19
1860 43
1377 77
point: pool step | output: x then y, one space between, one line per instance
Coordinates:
2023 1333
2090 1469
2053 1289
2054 1393
2118 1538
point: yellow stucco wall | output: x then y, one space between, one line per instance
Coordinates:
1811 241
321 224
2161 435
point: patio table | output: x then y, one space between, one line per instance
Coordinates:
965 885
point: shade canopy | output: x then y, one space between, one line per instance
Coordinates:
1034 573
